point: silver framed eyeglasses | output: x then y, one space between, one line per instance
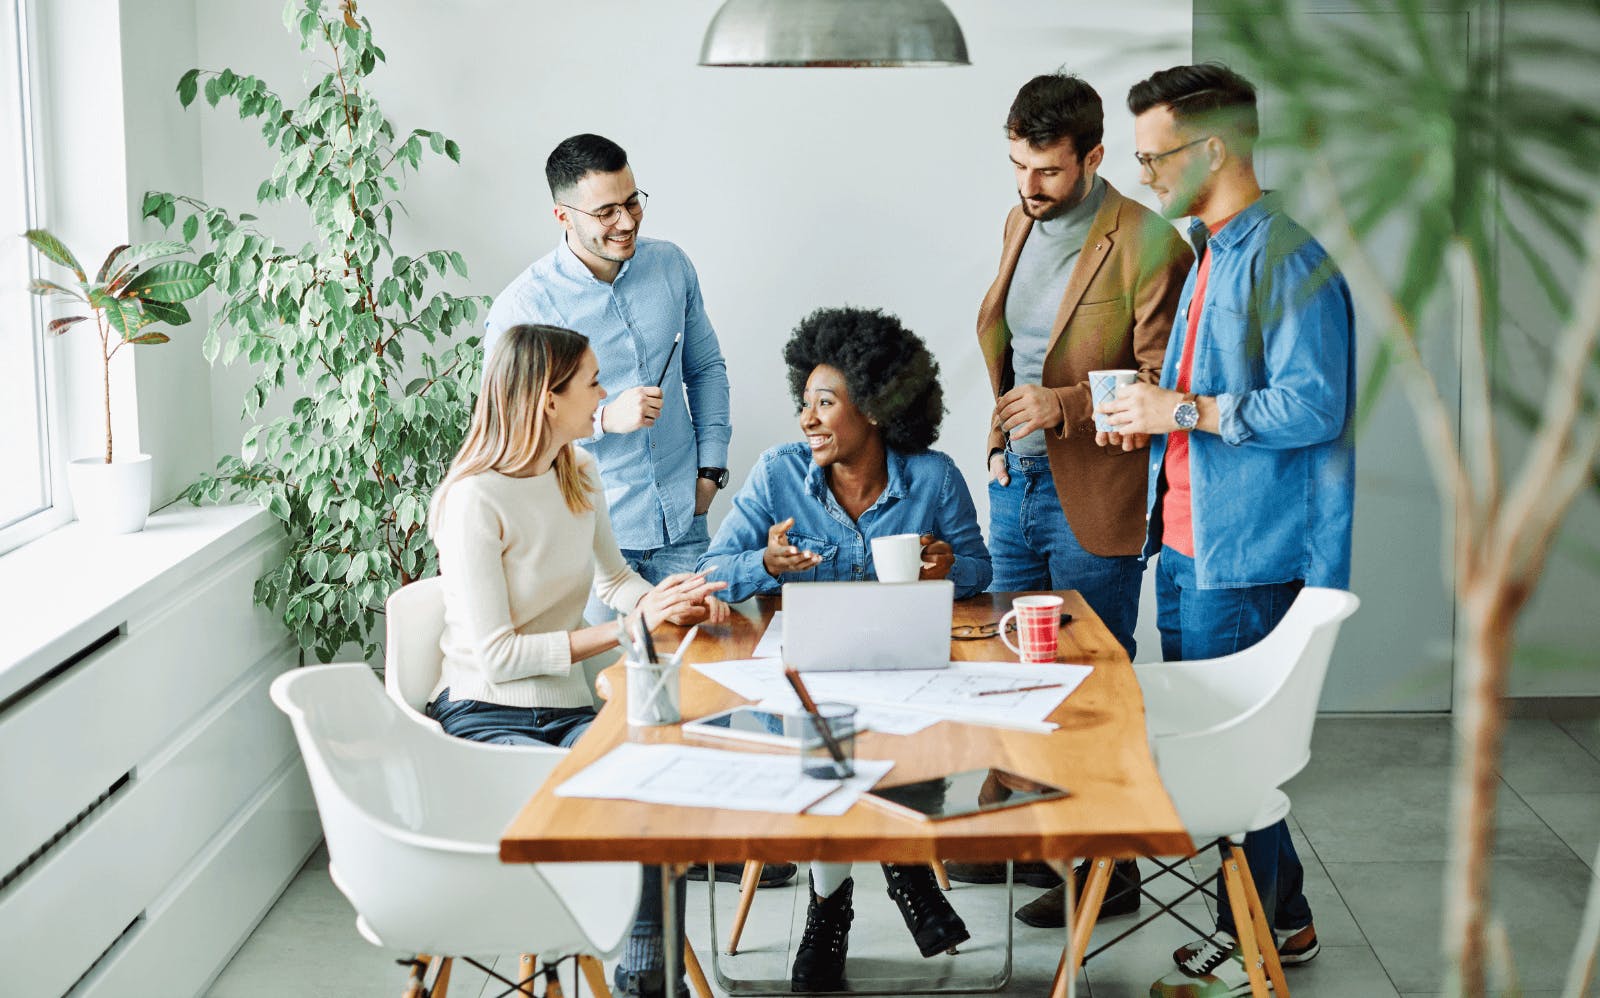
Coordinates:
1148 160
611 214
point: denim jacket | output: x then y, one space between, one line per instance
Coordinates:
1274 491
925 495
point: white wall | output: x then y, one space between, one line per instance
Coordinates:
790 189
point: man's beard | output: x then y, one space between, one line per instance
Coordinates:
1055 209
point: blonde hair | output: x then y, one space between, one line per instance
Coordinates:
510 426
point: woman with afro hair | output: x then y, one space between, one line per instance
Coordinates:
870 407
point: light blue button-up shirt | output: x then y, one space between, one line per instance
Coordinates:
925 495
1274 491
648 475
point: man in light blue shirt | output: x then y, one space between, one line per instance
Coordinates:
661 438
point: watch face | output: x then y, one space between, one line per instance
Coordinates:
1186 415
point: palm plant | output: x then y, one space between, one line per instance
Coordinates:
1390 128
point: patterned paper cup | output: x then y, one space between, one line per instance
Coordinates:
1103 388
1038 627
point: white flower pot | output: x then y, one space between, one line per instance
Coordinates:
111 498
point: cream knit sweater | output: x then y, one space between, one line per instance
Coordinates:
517 565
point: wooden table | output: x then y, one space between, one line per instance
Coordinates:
1118 807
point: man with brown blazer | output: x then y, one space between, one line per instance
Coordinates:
1089 280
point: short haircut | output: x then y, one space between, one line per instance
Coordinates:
1207 96
578 156
1057 106
888 370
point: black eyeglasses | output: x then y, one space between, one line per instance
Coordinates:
611 214
1148 160
972 632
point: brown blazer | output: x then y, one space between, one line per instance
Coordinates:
1116 312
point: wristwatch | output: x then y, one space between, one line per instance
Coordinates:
1187 413
718 475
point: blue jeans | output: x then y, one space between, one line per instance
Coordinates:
655 564
480 721
1033 548
1209 623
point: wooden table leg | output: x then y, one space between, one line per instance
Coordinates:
595 973
1264 937
697 975
441 980
747 895
1079 932
940 875
1244 926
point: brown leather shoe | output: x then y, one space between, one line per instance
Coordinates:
1030 872
1049 910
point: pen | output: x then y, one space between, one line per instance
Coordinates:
668 364
1019 689
816 717
645 639
683 645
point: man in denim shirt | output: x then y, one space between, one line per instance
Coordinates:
1252 476
661 438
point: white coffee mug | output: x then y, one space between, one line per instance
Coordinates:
898 557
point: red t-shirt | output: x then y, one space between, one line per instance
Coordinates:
1177 506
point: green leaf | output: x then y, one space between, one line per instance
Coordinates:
148 338
188 85
55 251
42 287
191 228
132 256
170 281
105 268
172 313
452 150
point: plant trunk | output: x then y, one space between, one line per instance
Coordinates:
1489 611
105 370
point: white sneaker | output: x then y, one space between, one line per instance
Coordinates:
1224 978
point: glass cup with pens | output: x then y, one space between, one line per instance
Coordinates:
653 696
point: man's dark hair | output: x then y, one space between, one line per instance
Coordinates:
580 155
1054 107
1204 97
888 370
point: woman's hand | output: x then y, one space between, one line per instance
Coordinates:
683 599
781 556
937 558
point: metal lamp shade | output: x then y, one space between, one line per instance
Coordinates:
834 33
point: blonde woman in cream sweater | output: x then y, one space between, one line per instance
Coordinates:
523 534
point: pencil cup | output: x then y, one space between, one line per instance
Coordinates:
1103 387
1038 625
817 757
653 693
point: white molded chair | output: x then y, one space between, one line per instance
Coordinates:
413 624
413 819
1226 733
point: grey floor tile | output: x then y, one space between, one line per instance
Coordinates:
1574 817
1341 972
1586 731
1540 757
1402 813
1398 906
1359 743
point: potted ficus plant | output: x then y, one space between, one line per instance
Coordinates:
133 289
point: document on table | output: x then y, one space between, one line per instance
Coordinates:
688 776
771 643
974 692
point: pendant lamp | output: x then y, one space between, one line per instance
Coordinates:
831 33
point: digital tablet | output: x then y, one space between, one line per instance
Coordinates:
748 723
958 794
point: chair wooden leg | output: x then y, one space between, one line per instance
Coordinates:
747 896
1264 937
526 964
441 980
1244 926
940 875
419 973
697 976
1087 913
595 973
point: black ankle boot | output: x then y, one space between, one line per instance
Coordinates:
819 959
933 923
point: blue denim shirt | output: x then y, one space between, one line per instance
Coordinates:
648 475
1274 492
925 495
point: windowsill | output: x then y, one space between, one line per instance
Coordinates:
69 587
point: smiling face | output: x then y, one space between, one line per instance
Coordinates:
1052 181
1181 181
836 430
571 407
603 248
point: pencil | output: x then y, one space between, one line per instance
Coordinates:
1019 689
668 364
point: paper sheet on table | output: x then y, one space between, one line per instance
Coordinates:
948 694
688 776
771 643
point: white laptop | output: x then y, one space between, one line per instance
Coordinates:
867 625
